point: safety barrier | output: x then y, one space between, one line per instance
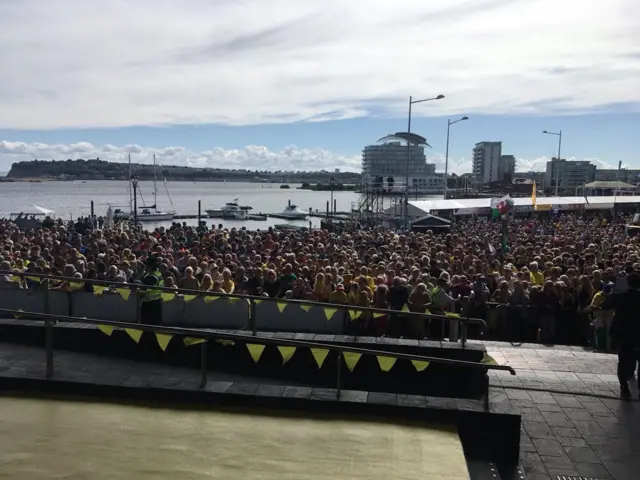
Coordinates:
120 302
192 336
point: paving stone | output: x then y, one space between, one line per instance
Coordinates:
355 396
532 463
582 455
549 447
557 463
572 441
557 419
297 392
538 430
593 470
566 432
382 398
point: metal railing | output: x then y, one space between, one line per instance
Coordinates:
51 320
462 320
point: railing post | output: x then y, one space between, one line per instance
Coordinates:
48 340
49 347
203 364
339 376
252 316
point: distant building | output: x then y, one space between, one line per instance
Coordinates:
570 175
626 175
506 168
486 161
337 170
385 164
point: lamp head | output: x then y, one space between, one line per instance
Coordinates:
464 118
439 97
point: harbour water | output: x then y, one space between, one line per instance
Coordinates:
73 199
55 439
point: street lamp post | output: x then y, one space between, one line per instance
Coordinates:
559 135
406 173
446 155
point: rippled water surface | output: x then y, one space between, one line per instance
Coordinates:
54 439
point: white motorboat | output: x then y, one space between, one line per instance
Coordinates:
292 212
231 211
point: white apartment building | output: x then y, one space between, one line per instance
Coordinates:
389 160
486 161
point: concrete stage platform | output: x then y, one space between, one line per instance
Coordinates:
435 380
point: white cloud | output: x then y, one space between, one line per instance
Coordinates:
251 157
79 63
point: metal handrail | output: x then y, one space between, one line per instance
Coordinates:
208 334
250 298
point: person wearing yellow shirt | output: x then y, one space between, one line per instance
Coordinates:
535 275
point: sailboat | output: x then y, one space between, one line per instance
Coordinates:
151 213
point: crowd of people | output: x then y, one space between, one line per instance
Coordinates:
551 284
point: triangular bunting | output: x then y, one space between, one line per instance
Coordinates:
18 315
354 314
258 301
255 351
98 289
188 298
488 359
419 365
134 334
351 359
452 315
106 329
167 296
226 343
76 285
405 308
16 279
211 298
188 341
427 311
386 363
124 293
378 315
306 308
319 355
281 306
287 353
330 312
233 299
163 340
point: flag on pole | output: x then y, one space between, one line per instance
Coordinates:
533 194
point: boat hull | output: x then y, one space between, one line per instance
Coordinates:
160 217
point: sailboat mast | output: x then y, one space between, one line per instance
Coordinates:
155 189
130 187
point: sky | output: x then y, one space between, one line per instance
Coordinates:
291 85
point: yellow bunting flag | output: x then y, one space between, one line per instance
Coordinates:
378 315
319 355
167 296
405 308
163 340
386 363
488 359
188 298
281 306
354 314
427 311
233 299
351 359
330 312
16 279
306 308
99 289
211 298
255 351
419 365
134 334
76 285
258 301
106 329
287 353
188 341
452 315
226 343
18 315
124 293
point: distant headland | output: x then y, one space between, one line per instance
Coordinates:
96 169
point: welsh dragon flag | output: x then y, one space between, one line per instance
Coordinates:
500 206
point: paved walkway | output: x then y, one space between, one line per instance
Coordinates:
566 433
